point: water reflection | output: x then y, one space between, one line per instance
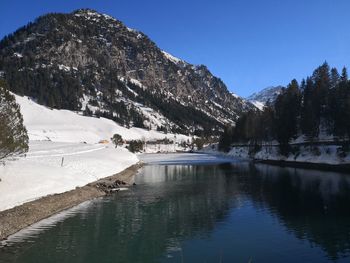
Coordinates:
315 205
176 206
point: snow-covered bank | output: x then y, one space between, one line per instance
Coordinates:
58 136
322 154
41 173
65 153
326 154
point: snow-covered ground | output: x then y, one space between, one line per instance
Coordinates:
43 123
57 135
41 173
325 154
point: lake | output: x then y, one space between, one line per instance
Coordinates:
201 208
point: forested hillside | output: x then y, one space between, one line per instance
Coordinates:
317 109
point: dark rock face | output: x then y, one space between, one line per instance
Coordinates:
92 62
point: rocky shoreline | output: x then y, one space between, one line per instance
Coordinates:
19 217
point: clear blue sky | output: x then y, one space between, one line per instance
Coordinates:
249 44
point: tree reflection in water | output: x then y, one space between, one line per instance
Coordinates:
315 205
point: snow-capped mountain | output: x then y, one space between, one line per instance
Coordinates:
259 99
91 62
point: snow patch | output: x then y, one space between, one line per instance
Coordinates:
171 57
136 82
63 67
18 55
132 30
234 95
258 104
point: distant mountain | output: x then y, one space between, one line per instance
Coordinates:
259 99
91 62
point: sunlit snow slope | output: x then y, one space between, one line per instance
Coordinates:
43 123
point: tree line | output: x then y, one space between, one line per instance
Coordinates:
318 106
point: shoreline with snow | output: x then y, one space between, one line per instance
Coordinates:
68 152
321 157
57 167
19 217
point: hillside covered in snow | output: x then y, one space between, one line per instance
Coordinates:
45 124
64 152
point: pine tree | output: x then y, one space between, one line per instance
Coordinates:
309 117
320 95
335 78
266 122
226 139
322 83
13 134
287 110
344 75
340 110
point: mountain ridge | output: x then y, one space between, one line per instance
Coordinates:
94 63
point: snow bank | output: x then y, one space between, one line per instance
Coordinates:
57 135
325 154
40 173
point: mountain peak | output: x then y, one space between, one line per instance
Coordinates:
91 13
87 11
259 99
92 62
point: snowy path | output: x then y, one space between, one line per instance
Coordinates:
66 150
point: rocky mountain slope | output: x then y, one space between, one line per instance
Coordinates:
259 99
91 62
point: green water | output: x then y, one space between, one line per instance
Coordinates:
202 213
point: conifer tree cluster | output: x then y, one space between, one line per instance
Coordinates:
319 105
13 134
